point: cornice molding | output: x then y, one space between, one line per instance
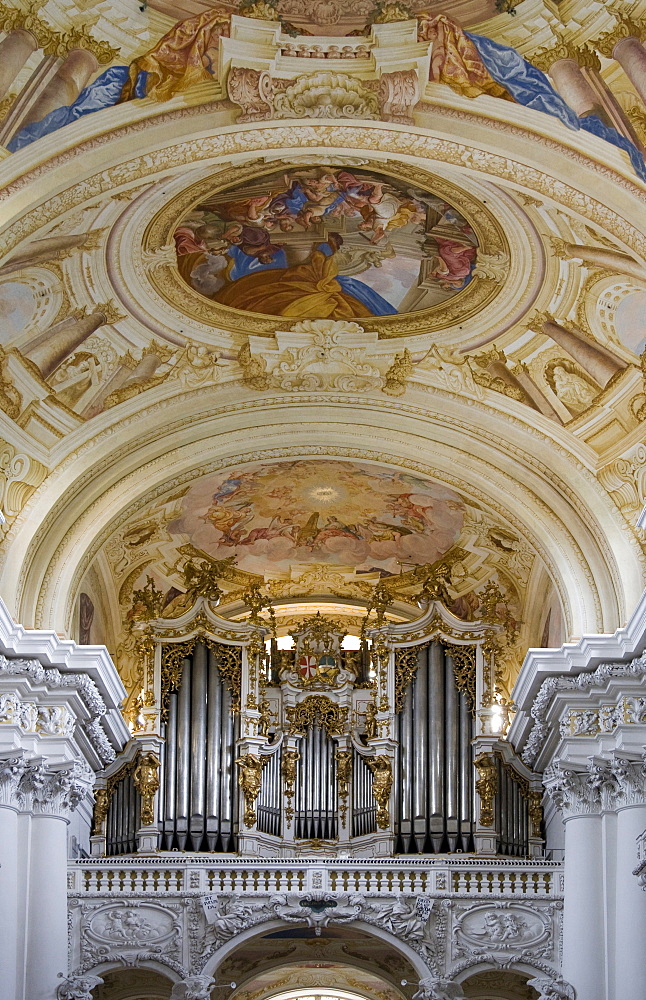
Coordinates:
43 658
574 667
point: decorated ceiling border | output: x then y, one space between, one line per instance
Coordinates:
359 137
130 272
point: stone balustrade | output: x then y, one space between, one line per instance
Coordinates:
475 878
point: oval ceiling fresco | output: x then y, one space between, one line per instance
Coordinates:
364 517
326 243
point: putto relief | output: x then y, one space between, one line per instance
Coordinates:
323 242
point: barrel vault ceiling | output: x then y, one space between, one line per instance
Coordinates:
400 394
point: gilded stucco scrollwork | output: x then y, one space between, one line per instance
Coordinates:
229 660
317 710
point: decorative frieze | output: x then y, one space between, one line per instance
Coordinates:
29 717
584 721
446 923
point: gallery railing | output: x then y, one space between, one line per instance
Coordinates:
481 877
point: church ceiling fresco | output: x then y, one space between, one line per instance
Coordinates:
503 285
362 517
325 243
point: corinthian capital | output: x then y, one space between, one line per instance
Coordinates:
55 789
12 768
630 778
574 793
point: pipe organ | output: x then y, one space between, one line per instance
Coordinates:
383 750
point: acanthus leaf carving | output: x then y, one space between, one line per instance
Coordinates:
398 94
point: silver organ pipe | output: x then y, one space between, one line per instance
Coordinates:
466 782
183 754
452 750
420 760
214 740
123 817
198 803
169 764
435 788
316 800
511 812
437 717
407 759
228 785
198 744
268 807
364 810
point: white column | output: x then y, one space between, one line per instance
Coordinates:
15 49
630 972
583 908
47 907
51 793
11 769
631 906
584 945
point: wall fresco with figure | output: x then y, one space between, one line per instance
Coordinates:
327 243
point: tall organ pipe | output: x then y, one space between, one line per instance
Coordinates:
214 740
170 772
420 759
183 754
198 745
198 804
435 806
364 813
466 779
315 787
123 817
436 711
227 780
407 759
268 808
452 749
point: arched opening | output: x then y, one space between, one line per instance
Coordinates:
499 984
133 984
338 962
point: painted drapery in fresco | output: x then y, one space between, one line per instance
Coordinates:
183 57
470 64
474 64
